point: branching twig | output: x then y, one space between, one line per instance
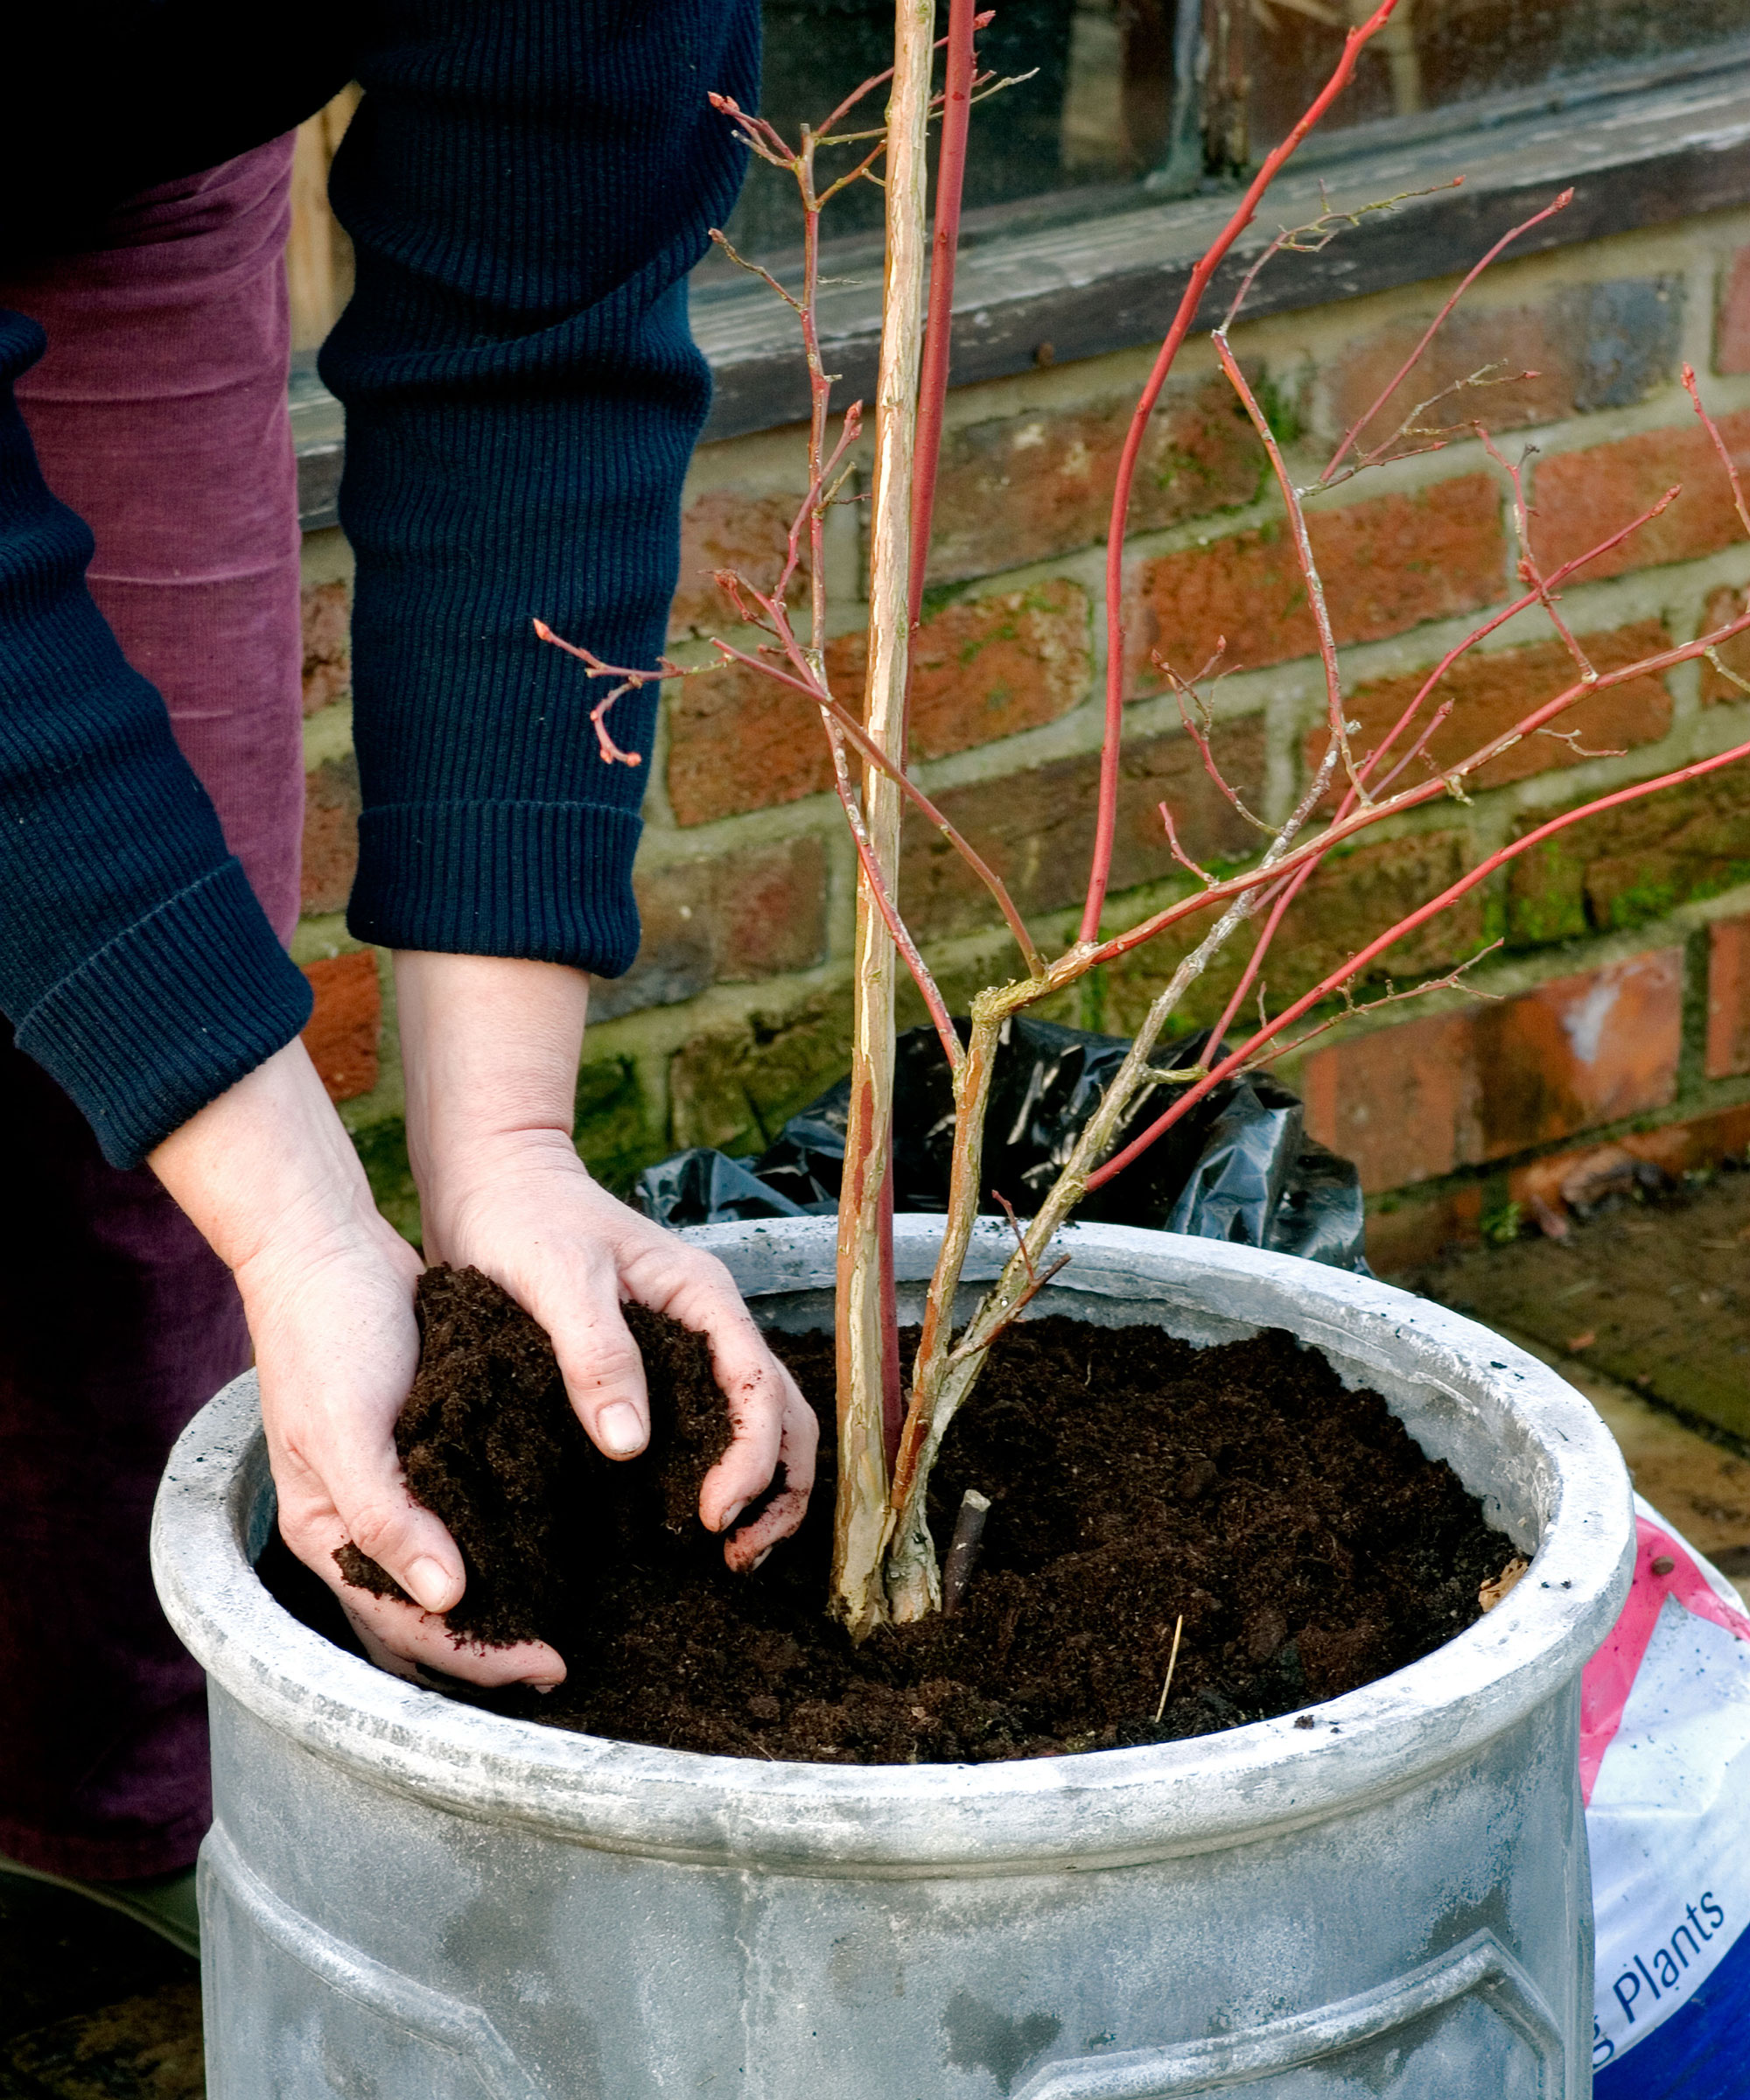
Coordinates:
1237 1060
1528 571
1105 829
1455 980
1178 851
1433 328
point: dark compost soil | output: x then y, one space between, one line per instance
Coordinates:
1309 1544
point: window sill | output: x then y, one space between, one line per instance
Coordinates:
1639 153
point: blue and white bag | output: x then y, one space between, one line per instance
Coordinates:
1665 1770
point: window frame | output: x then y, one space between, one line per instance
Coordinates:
1640 146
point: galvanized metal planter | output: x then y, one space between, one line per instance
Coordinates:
407 1898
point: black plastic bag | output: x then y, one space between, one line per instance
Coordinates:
1240 1166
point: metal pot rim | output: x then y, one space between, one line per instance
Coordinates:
1109 1807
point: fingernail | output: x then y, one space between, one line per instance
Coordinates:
730 1515
429 1584
760 1563
618 1431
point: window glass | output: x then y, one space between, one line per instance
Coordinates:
1172 93
1434 52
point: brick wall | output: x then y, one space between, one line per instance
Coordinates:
1617 1011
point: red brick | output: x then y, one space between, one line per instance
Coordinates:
341 1034
727 529
739 741
1025 488
1581 347
1728 998
1351 900
1577 1052
1412 1102
1490 693
1036 829
1724 605
331 835
327 614
1399 1102
1388 564
987 668
1732 337
735 917
1414 1233
1581 498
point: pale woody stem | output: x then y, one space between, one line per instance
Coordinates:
862 1517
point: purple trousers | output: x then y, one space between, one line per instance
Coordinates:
158 415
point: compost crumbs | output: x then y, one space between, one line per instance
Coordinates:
1306 1542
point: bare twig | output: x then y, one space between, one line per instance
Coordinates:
1309 567
1455 980
1720 446
963 1551
1434 327
1528 571
970 1351
1172 1664
1178 851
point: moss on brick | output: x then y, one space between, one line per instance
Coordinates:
734 1088
1629 866
618 1132
1282 410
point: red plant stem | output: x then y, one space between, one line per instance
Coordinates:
1481 633
951 176
1106 823
1082 959
1434 327
1357 963
1719 445
892 1372
1290 890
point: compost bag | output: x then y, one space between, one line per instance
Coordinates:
1665 1771
1239 1167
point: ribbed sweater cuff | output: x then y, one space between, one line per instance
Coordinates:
551 881
167 1016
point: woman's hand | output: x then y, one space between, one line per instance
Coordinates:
270 1178
490 1048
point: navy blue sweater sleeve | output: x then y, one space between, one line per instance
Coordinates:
526 185
134 963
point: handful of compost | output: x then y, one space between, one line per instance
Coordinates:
491 1444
